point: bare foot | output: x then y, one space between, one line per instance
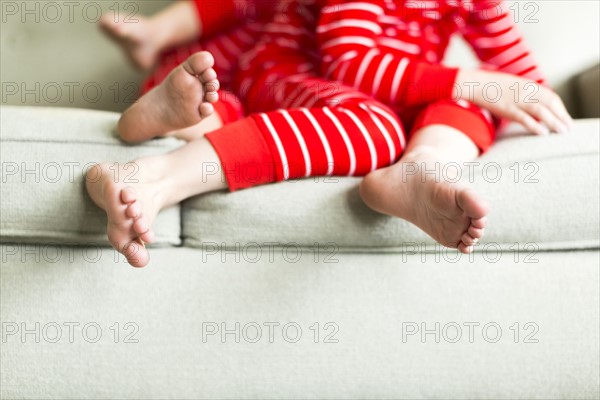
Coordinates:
137 39
131 206
451 214
183 99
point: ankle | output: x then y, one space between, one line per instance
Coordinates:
159 36
422 154
151 171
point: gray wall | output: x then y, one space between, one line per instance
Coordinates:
56 52
59 52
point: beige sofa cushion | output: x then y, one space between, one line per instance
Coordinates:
45 152
357 314
546 198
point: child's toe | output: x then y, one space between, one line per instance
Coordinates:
148 237
209 75
141 225
206 109
211 97
136 254
134 209
479 222
476 233
468 239
128 195
197 63
465 249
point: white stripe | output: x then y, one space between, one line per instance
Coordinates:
354 40
298 77
311 93
391 20
398 78
353 6
300 139
343 71
433 38
366 135
351 23
496 41
304 67
487 115
400 45
432 14
300 100
383 131
499 25
323 138
246 84
352 95
364 64
392 121
507 55
280 149
328 94
243 35
287 43
277 27
345 137
380 72
230 46
463 103
344 57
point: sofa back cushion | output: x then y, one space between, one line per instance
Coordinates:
543 193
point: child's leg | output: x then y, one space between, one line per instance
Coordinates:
169 81
143 39
227 49
352 136
160 181
415 190
182 100
228 109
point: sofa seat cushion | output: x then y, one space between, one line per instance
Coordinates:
365 305
45 153
543 193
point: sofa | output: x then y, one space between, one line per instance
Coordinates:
294 290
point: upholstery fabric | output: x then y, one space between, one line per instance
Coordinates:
45 153
543 193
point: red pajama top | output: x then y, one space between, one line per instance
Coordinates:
393 49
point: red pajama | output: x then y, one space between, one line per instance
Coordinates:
344 134
299 124
393 49
325 129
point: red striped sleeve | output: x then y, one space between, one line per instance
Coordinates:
490 30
